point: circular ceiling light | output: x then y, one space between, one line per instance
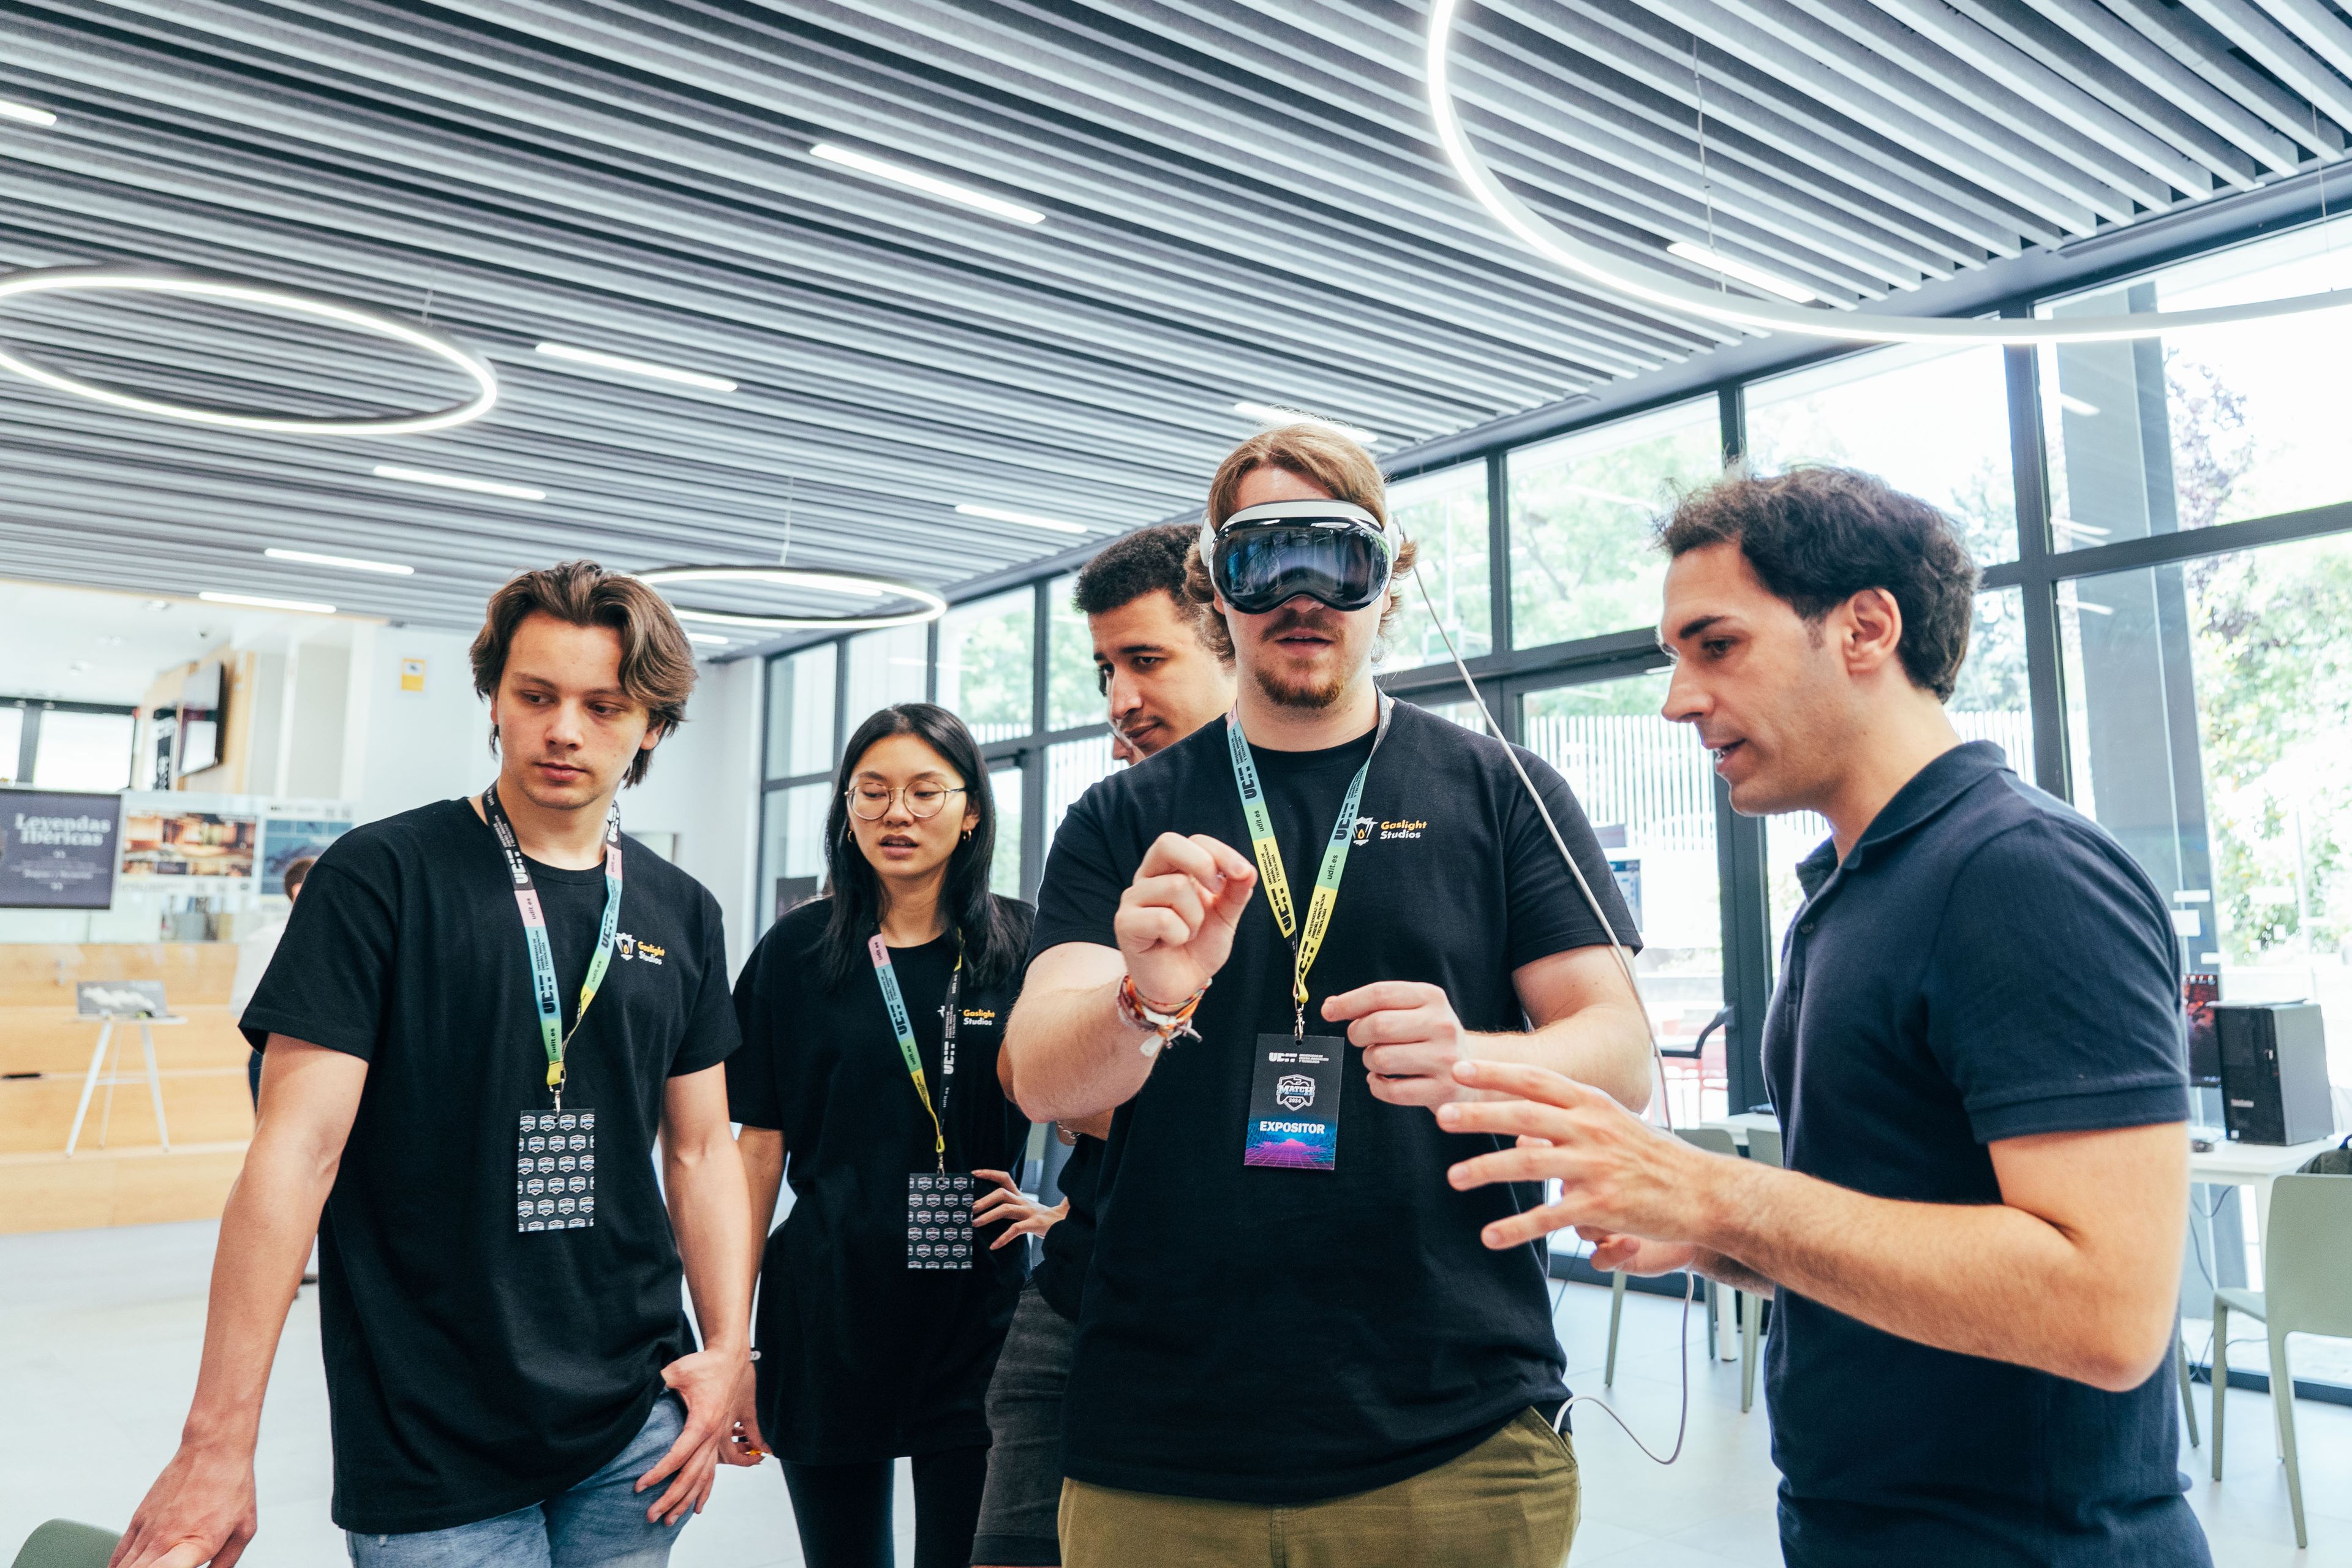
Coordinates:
240 291
929 607
1661 287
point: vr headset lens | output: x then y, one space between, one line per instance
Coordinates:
1262 566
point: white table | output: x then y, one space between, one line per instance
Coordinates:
2255 1165
92 1078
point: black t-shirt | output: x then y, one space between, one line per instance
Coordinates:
1069 1245
1986 965
472 1370
1277 1336
861 1357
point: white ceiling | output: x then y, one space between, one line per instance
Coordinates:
76 644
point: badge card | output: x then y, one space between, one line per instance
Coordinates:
939 1220
555 1170
1294 1118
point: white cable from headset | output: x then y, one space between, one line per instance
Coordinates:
1658 1057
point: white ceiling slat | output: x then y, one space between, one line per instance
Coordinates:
2277 51
2139 58
2195 45
1954 30
1244 199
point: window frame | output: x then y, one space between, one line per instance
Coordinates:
1507 674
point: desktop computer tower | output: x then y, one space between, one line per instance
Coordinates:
2273 1072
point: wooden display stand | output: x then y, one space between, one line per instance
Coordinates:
148 1023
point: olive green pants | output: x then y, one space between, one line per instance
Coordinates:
1513 1501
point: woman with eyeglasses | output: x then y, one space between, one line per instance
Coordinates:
871 1020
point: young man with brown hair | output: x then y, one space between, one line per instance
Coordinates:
481 1014
1976 1055
1291 1347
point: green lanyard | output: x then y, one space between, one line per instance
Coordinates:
1303 948
887 978
534 932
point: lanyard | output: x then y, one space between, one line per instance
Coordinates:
534 930
887 978
1303 948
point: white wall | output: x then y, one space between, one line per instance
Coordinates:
415 747
704 786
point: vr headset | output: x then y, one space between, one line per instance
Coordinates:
1331 550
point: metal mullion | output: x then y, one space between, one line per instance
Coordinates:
2189 543
1041 660
1498 549
1032 765
1743 878
767 716
931 661
2030 478
840 695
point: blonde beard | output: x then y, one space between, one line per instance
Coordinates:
1313 699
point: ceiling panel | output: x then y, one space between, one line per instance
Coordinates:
1239 202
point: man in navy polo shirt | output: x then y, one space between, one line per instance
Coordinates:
1976 1053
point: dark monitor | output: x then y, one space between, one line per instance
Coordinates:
2198 993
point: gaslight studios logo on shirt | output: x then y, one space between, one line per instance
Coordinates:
637 949
1370 827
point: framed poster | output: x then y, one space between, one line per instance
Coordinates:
56 851
163 843
285 839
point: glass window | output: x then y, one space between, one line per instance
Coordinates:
2208 704
886 667
791 845
84 751
799 711
1648 788
2159 434
1072 768
12 741
1582 509
1929 420
988 662
1072 696
1445 514
1004 865
1990 704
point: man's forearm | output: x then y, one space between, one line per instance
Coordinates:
710 1213
1073 1055
267 1228
1603 1045
1982 1280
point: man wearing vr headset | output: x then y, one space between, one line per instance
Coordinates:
1292 1347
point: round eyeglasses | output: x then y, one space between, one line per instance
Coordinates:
871 801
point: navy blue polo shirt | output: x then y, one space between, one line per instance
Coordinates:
1986 964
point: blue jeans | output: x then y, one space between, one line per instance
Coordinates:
600 1523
